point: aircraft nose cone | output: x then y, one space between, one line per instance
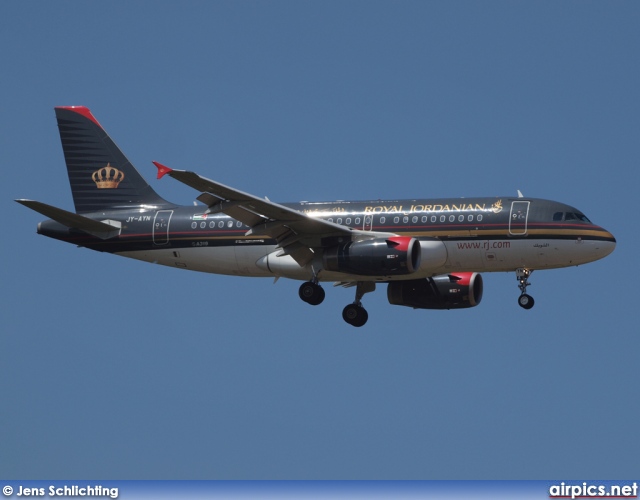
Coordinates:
606 246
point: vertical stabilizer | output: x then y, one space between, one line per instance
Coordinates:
101 177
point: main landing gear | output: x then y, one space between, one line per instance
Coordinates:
311 292
354 314
525 301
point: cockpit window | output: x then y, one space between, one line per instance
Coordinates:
583 217
570 216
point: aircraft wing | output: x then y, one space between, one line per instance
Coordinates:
296 232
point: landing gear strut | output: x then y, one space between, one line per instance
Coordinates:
525 301
355 314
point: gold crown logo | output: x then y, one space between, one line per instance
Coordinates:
107 177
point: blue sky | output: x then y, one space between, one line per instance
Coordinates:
117 369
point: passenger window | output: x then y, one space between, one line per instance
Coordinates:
442 218
470 218
230 224
414 219
212 224
339 220
452 218
405 219
194 225
348 221
220 224
424 219
396 220
238 224
358 220
461 218
479 217
433 218
382 220
203 225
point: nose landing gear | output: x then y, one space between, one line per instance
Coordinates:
525 301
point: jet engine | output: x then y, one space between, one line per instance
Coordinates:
447 291
376 257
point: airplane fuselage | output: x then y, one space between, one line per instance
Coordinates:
456 235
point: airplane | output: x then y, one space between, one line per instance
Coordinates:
429 252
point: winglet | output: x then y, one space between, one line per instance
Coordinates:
162 170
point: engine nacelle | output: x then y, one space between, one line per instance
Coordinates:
447 291
376 257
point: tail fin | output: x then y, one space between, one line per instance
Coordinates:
100 175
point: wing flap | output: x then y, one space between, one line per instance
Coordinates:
302 254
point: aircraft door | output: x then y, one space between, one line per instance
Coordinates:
518 218
161 227
368 222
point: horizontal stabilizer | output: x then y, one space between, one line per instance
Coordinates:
95 228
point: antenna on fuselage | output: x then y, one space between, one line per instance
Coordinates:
520 195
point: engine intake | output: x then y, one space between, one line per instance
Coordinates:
447 291
376 257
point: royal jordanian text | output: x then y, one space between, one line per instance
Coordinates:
460 207
69 491
586 490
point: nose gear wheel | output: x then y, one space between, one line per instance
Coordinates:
526 301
